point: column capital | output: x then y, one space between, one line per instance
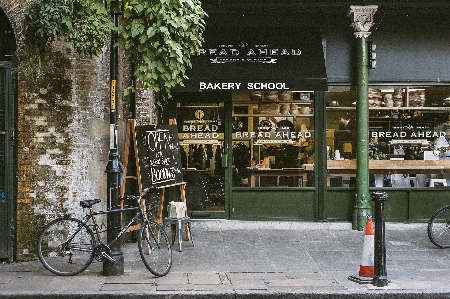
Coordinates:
362 19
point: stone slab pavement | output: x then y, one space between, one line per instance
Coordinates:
255 259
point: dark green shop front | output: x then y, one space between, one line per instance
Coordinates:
283 149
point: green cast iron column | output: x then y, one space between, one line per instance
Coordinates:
362 22
362 208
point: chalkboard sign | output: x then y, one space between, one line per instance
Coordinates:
174 146
159 156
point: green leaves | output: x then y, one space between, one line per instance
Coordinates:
159 37
85 23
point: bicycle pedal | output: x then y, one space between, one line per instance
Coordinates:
107 256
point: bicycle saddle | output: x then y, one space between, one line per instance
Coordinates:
89 203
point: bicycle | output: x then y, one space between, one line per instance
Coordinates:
438 228
67 246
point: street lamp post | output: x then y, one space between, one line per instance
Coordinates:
362 22
116 267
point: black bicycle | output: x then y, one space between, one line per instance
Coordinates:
67 246
439 227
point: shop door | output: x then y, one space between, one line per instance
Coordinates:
201 128
6 161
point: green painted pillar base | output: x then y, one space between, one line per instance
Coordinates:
360 216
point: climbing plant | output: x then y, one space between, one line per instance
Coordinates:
158 36
85 23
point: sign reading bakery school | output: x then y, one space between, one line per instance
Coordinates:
258 59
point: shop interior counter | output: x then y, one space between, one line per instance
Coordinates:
254 173
394 166
403 173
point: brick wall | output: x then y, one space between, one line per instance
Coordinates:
63 134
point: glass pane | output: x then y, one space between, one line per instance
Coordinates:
201 135
407 132
273 142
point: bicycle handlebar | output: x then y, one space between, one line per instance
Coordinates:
131 197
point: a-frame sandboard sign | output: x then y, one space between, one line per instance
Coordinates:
150 146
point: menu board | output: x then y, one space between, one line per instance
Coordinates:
159 156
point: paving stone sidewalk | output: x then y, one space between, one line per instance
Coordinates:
245 259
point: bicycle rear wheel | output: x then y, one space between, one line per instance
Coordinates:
66 246
439 227
154 247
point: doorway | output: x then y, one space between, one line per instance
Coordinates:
201 124
7 121
6 161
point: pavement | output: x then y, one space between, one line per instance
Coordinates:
246 259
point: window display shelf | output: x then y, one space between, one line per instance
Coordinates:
300 102
393 166
434 108
273 115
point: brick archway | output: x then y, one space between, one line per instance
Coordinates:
13 9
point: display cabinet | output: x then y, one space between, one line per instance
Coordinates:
272 138
403 126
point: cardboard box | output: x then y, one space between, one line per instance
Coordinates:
176 209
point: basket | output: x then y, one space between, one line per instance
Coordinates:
269 108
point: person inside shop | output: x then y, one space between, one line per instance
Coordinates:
373 148
377 180
442 145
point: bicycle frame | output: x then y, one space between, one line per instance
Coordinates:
96 228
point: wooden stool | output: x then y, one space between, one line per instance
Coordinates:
176 225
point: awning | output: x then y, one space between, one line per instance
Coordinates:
257 58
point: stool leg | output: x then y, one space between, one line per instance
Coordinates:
190 233
173 231
180 237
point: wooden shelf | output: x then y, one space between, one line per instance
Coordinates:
393 166
273 115
446 108
300 102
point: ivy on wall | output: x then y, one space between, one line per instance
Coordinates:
158 36
84 23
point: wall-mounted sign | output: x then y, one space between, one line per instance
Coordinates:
235 58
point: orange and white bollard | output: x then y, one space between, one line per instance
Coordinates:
366 269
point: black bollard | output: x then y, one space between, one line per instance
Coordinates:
380 274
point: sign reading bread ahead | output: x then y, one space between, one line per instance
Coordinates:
258 59
159 156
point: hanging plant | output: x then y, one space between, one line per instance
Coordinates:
90 27
159 36
84 23
45 20
35 66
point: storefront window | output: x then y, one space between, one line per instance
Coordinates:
273 139
407 132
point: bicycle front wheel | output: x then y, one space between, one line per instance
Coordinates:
154 247
66 246
439 227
